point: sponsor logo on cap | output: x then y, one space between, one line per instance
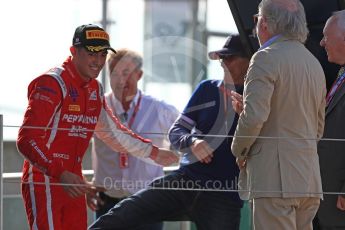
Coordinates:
97 34
96 48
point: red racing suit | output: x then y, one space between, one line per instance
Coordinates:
60 119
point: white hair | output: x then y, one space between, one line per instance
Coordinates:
285 17
123 55
339 17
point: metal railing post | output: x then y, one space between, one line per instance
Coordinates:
1 170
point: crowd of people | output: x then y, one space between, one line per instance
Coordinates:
274 103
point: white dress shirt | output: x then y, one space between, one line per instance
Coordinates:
152 121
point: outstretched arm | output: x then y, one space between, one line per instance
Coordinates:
121 139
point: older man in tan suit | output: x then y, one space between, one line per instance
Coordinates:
283 116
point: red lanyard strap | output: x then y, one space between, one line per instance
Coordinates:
123 157
135 111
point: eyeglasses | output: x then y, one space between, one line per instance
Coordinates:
256 18
226 59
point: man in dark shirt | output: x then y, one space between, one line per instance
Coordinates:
207 166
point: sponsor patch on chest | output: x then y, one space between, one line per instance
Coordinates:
83 119
75 108
61 155
93 96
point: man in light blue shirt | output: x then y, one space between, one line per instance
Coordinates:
120 173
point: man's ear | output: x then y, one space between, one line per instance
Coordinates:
264 23
73 50
140 74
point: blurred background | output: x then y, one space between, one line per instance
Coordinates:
173 35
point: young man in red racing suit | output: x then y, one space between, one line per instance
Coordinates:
65 106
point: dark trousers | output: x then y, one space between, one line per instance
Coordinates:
110 202
209 210
318 226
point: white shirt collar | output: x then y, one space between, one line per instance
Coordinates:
118 105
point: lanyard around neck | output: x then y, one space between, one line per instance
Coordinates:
135 111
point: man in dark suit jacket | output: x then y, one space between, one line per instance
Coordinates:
331 213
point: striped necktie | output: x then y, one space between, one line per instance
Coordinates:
337 83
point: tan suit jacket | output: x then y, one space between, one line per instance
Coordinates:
284 104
